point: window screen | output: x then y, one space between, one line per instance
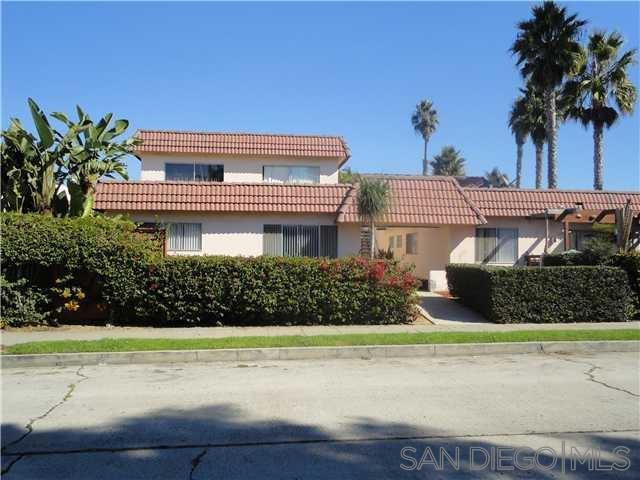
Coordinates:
412 243
398 241
290 174
300 240
189 172
391 243
496 245
185 237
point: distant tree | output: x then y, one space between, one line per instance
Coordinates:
496 178
546 48
373 201
348 176
425 122
602 83
517 117
448 162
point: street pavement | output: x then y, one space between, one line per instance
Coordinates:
511 416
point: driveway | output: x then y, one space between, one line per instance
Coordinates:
322 419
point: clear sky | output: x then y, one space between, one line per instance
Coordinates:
355 69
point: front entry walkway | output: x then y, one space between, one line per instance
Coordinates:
446 311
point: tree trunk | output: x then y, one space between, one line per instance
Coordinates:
372 228
597 156
539 152
425 162
519 164
550 110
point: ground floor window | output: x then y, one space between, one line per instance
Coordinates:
412 244
496 245
301 240
185 237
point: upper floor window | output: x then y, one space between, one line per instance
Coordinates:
190 172
290 174
496 245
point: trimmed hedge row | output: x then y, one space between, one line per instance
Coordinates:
100 267
543 295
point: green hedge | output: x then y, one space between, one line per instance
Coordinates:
543 295
100 266
630 263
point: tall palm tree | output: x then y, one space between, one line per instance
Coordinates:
547 48
602 83
373 201
448 162
496 178
518 126
528 117
425 122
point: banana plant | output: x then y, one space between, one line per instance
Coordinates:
28 162
92 153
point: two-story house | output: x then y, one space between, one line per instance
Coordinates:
239 194
255 194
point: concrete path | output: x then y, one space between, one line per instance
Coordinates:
446 311
72 332
324 419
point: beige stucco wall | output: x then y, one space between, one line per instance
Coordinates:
236 168
241 234
456 244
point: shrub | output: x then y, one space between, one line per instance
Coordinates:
543 295
22 304
208 290
102 256
630 263
103 262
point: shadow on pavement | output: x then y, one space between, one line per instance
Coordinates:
221 441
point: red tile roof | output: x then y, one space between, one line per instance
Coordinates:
165 141
417 200
511 202
219 197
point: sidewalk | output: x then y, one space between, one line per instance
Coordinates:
73 332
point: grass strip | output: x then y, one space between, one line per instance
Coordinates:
145 344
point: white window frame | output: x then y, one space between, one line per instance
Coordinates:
289 175
411 243
182 244
495 260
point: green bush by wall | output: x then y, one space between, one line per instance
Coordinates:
93 267
543 295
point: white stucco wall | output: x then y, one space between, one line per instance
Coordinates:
236 168
241 234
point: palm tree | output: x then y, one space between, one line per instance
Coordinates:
373 201
518 126
448 162
496 178
547 49
425 122
528 117
602 80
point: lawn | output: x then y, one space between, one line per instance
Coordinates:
139 344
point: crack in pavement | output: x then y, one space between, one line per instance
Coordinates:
310 441
29 426
592 378
195 462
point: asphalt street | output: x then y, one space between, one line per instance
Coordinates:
517 416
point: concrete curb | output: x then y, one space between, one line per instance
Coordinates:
313 353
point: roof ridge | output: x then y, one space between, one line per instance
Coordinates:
550 190
254 134
472 205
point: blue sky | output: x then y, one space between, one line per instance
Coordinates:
354 69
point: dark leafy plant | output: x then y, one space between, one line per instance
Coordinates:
543 295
